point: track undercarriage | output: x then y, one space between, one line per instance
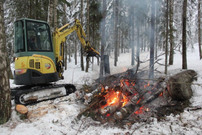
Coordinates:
33 94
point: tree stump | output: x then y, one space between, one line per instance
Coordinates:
179 85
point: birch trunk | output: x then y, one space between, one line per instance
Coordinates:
50 13
5 99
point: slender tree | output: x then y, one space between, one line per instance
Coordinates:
184 35
5 99
132 35
166 44
88 30
50 12
151 64
55 13
171 35
103 38
75 51
65 45
116 31
81 18
199 28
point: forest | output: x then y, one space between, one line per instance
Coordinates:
160 28
140 25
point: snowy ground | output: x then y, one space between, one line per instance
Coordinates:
59 116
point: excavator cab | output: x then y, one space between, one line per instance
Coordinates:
39 56
34 55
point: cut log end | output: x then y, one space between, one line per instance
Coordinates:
21 109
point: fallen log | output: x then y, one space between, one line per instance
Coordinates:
179 85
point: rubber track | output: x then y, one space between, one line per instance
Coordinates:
29 89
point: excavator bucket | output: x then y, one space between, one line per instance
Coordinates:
91 52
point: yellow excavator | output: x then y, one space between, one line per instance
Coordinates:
39 59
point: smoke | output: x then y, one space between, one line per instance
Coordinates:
141 12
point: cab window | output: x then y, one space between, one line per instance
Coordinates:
19 37
38 37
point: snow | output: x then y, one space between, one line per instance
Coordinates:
61 114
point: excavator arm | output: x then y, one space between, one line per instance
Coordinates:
59 38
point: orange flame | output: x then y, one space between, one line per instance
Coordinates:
146 85
140 110
115 98
161 94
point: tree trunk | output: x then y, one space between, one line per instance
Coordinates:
50 13
103 38
88 30
171 33
138 42
116 32
75 51
65 44
184 36
156 32
132 19
166 44
55 14
81 18
151 64
199 28
5 99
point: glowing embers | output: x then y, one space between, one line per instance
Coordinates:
115 98
124 97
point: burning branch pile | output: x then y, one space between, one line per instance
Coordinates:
127 98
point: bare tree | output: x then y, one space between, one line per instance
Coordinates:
55 13
151 64
199 28
166 44
5 99
50 12
116 31
103 40
184 35
171 2
132 35
75 50
81 18
88 30
65 45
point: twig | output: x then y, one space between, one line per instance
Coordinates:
80 125
194 108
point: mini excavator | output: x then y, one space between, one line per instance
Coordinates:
39 60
